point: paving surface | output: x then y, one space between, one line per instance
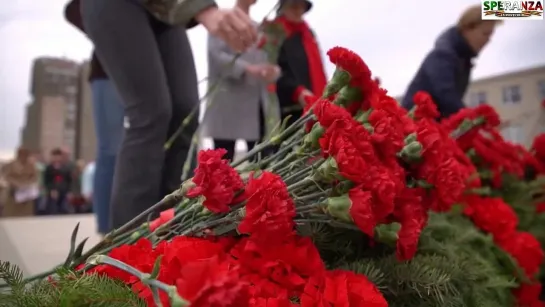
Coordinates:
37 244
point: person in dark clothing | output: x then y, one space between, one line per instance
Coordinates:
58 183
445 72
108 117
300 60
144 48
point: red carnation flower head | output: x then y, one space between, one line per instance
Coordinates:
526 250
528 295
163 218
212 282
327 112
411 213
216 180
424 106
538 147
356 206
342 288
488 114
492 215
349 61
351 70
269 208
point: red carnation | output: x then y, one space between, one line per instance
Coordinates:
140 255
269 207
361 210
492 215
528 295
526 249
539 147
425 107
341 288
491 117
163 218
327 112
216 180
350 62
448 180
287 264
212 283
413 217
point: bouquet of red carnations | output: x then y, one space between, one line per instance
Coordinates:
353 209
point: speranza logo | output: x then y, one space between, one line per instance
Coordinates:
502 10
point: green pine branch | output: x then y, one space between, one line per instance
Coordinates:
65 289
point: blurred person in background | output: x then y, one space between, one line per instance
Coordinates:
76 200
21 176
41 202
236 112
445 72
108 118
303 72
58 180
151 64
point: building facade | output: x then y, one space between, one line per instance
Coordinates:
60 113
519 99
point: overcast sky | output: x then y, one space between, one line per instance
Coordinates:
392 36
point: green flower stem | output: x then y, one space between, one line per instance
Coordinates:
274 157
190 154
298 175
145 278
167 201
310 197
210 224
194 209
275 140
300 185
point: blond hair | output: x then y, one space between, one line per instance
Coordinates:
472 17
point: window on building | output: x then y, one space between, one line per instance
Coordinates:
541 87
513 133
511 94
476 99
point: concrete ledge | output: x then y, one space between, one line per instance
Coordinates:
37 244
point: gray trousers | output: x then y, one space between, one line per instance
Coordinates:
152 67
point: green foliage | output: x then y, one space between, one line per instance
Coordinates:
456 265
523 197
66 289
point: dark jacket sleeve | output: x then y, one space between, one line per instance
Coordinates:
442 69
286 86
72 13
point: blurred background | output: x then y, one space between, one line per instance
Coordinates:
46 99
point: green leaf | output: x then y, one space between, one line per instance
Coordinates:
73 238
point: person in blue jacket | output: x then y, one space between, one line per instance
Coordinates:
445 72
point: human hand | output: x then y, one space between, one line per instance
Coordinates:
232 25
270 73
304 94
266 72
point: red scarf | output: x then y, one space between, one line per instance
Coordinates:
316 72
